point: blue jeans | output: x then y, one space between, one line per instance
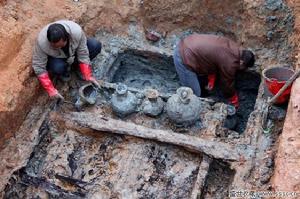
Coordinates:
187 77
59 66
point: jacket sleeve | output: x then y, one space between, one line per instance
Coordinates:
39 60
82 50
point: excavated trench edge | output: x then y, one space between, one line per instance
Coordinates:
262 143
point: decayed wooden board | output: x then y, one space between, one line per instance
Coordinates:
18 151
97 122
245 177
201 177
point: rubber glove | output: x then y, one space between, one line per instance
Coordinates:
211 82
47 84
86 71
234 100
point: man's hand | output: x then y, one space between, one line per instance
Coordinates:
234 100
86 71
211 82
58 96
47 84
209 87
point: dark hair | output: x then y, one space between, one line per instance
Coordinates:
248 58
56 32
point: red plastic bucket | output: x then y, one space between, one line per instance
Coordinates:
275 78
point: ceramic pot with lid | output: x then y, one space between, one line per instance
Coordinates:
184 107
123 101
153 105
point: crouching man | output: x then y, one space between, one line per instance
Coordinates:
60 47
200 55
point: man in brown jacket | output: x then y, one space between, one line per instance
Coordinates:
59 46
212 56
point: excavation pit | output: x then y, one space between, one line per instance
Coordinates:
88 163
144 69
61 153
73 160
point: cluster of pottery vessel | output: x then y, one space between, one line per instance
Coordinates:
183 107
124 102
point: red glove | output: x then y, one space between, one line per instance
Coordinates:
234 100
211 81
47 84
86 71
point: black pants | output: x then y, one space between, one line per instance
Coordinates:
59 66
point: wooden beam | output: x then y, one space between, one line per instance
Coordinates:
201 177
97 122
17 152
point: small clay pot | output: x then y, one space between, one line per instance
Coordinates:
123 101
184 107
231 110
231 118
153 105
87 95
